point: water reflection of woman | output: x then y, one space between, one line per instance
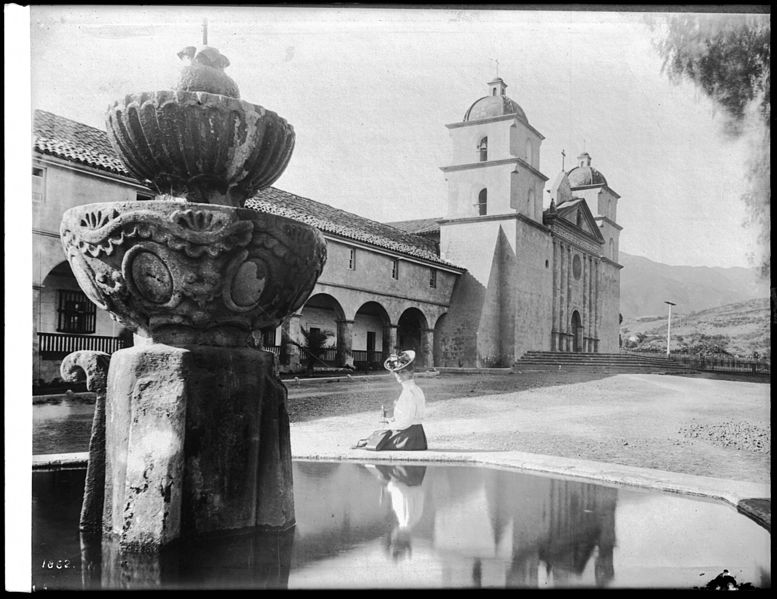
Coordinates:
403 485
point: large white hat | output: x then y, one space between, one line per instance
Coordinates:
399 361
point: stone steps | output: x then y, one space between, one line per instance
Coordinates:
535 360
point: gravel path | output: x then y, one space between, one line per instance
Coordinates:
700 426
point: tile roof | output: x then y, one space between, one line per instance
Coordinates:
74 141
421 226
344 224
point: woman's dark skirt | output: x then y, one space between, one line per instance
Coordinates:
411 438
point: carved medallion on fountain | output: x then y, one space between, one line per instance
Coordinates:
196 428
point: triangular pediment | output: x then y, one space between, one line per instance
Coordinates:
577 213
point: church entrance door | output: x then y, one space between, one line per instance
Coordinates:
577 332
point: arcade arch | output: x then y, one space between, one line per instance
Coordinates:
323 312
413 332
371 336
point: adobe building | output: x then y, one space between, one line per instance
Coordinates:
501 273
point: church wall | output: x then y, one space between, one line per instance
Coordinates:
456 337
465 185
470 244
609 294
608 204
519 136
532 289
474 330
526 193
466 139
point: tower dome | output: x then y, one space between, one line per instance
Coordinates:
494 104
584 174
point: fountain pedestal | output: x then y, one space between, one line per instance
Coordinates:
198 440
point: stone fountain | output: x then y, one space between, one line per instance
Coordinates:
196 432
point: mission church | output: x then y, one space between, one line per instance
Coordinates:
536 278
503 272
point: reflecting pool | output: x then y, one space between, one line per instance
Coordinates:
411 525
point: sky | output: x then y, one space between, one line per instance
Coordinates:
369 92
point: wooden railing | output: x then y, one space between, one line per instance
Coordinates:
714 362
362 357
57 345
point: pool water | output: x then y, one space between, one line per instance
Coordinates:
62 425
363 525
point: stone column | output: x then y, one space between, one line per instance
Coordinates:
290 353
568 284
36 309
389 339
554 300
427 348
591 303
561 297
597 308
345 343
584 315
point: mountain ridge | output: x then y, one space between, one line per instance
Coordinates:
646 285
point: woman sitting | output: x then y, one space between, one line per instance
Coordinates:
405 430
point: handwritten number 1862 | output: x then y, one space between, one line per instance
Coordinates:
60 564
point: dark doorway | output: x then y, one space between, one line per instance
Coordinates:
409 330
577 332
371 357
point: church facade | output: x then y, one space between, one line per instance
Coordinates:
537 277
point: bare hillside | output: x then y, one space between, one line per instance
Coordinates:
739 328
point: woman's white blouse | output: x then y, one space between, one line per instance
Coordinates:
409 407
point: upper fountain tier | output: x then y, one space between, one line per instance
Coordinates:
199 140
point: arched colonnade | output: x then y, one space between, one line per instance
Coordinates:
362 329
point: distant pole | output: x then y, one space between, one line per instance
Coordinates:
669 326
205 32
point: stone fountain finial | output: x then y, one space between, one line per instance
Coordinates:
204 72
200 141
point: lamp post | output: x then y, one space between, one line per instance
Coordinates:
669 326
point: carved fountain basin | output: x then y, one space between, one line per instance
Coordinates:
204 146
184 273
